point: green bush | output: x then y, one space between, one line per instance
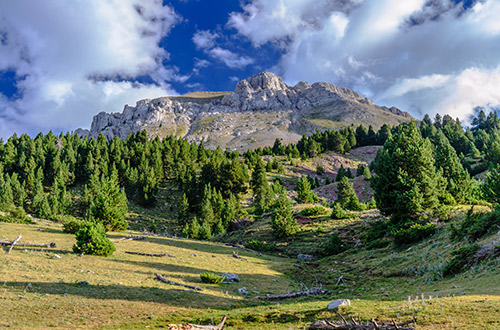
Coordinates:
314 211
414 233
14 214
476 225
259 246
91 239
212 278
462 259
334 245
339 213
72 225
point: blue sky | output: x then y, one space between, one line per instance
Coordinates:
62 62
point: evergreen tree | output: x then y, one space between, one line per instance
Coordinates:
282 222
109 206
346 196
407 182
6 195
341 173
183 214
320 169
366 173
40 206
459 184
261 192
491 185
304 193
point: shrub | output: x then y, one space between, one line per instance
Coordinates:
14 214
462 259
259 246
334 245
476 225
320 229
339 213
414 233
72 225
314 211
91 239
212 278
375 237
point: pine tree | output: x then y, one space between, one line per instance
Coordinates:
346 196
407 182
261 192
109 206
6 195
491 185
366 173
304 193
40 206
341 173
183 214
282 222
320 170
459 183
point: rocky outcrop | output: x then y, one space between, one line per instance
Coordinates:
261 109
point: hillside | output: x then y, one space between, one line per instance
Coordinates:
261 109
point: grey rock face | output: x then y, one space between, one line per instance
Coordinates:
231 277
261 109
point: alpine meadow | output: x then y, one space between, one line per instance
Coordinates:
276 165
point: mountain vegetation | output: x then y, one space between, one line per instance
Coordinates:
425 191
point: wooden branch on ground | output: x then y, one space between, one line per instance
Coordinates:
47 245
146 254
372 325
14 243
188 326
312 292
235 255
164 280
135 238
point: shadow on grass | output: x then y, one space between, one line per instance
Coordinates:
170 295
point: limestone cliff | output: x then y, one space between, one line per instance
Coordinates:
261 109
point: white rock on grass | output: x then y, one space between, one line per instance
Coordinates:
231 277
339 302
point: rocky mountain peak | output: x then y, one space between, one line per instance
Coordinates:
262 81
261 109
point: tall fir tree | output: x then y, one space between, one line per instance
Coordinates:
407 182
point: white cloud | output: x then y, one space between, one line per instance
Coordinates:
232 60
204 39
413 54
64 54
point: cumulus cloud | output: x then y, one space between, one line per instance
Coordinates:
420 55
83 62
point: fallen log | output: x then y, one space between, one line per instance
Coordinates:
189 326
146 254
164 280
312 292
372 325
26 244
14 243
135 238
235 255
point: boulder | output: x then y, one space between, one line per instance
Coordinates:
231 277
339 302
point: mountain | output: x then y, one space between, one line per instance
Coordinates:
261 109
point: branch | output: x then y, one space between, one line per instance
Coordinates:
146 254
14 243
164 280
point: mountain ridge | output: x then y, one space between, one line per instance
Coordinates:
259 110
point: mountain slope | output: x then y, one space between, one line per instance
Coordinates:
261 109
